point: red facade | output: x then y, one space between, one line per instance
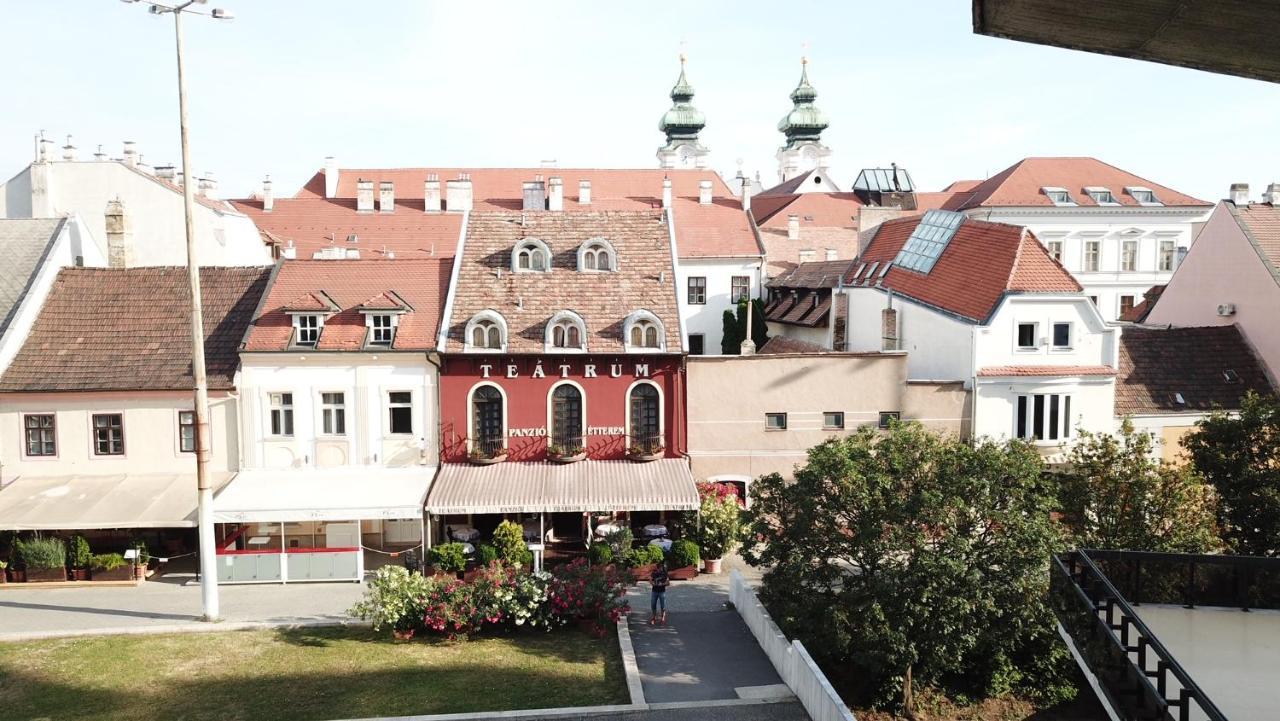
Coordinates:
604 383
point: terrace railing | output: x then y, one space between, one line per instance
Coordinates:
1190 580
1140 678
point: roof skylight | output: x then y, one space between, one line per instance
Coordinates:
928 240
885 180
1059 196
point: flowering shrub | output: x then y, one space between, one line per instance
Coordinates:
593 593
394 598
721 521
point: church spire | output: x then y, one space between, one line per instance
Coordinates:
681 124
805 122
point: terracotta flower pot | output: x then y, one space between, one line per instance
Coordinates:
683 574
122 573
487 461
17 575
711 565
79 574
46 575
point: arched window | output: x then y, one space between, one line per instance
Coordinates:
646 418
597 254
488 426
566 331
486 331
530 256
566 417
643 332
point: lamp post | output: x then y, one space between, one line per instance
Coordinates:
208 569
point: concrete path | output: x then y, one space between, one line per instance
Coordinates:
783 711
705 652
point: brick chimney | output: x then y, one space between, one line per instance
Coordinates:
793 227
535 195
330 177
268 196
130 153
119 236
746 193
889 328
364 196
704 192
555 193
458 194
387 196
584 192
1239 193
431 193
289 251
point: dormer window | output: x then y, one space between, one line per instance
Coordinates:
597 254
308 313
1059 196
382 316
1144 196
644 332
1101 196
530 256
566 331
382 329
486 331
306 330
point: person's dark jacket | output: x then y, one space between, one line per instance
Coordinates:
660 579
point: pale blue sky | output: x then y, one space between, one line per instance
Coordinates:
508 84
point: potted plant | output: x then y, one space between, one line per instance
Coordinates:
141 559
45 559
487 454
78 558
682 560
449 558
721 527
569 453
600 554
110 567
645 451
508 539
4 571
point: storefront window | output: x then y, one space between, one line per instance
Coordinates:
566 417
486 412
646 429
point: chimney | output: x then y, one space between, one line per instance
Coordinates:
666 192
431 193
119 237
1272 195
555 193
68 150
746 194
289 251
208 187
458 194
44 147
99 155
144 167
387 196
833 254
268 196
364 196
164 172
704 192
584 192
793 227
330 177
130 153
1239 193
535 195
548 162
889 328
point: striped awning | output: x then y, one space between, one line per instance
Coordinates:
662 485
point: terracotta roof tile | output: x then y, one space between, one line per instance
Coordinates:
387 300
421 283
817 274
527 300
982 262
1139 312
719 229
800 307
312 301
1157 363
782 344
312 224
129 329
1020 184
1046 370
1262 221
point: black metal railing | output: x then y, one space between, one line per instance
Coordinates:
1138 675
1190 580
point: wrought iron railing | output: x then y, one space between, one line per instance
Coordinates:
1138 675
1245 582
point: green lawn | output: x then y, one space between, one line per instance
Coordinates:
295 675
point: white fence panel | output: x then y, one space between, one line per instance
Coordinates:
789 658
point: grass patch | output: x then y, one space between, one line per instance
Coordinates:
302 675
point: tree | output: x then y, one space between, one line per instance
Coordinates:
1116 495
733 335
919 559
1239 454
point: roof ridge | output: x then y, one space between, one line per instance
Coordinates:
1017 259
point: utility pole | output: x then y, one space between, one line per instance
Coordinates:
207 555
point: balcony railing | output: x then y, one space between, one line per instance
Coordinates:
1190 580
1138 675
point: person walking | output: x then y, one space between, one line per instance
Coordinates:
659 581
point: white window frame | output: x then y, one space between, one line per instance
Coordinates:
748 296
1094 191
337 412
1071 336
298 329
393 323
1172 256
1027 433
1120 309
390 405
533 246
1050 191
1055 248
1125 244
563 321
281 408
644 319
590 252
1035 336
489 316
1134 190
1097 255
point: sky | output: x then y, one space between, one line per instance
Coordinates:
395 83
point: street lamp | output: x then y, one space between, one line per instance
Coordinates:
208 568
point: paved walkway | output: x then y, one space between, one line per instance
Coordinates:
705 652
784 711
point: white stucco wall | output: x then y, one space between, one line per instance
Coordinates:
1110 226
938 346
1092 405
150 433
1093 342
365 379
154 211
708 318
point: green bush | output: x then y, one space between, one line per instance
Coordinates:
655 553
620 540
449 557
508 538
394 598
46 553
683 553
600 554
106 561
78 553
486 554
635 557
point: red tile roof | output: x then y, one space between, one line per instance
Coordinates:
1261 222
1156 364
1139 312
421 283
785 188
313 224
318 301
644 280
983 262
782 344
1003 371
1020 184
827 210
719 229
129 329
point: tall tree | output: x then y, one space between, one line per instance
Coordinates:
919 559
732 335
1240 456
1117 495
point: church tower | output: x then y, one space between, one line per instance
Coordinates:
681 125
803 128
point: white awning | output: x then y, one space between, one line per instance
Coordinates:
328 494
663 485
85 502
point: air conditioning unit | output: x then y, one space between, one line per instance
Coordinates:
1227 309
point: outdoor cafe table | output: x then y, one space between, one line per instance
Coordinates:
655 530
463 533
663 543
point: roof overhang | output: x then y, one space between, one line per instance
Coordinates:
662 485
90 502
330 494
1232 37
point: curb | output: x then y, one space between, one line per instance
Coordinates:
634 687
193 627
